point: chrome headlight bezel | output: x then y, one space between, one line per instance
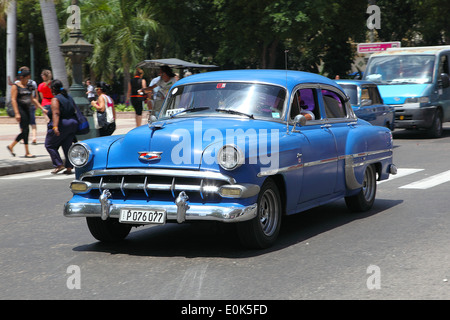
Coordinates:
80 154
230 157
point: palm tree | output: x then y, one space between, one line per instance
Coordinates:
51 28
117 29
10 8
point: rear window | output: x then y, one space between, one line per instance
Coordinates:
334 106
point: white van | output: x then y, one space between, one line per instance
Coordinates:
415 81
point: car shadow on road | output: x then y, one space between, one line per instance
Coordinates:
208 239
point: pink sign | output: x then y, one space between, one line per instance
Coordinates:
377 47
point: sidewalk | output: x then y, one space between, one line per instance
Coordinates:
9 129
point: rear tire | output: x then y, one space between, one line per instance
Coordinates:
108 230
363 201
262 231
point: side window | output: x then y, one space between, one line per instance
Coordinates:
443 65
374 95
365 97
334 104
305 102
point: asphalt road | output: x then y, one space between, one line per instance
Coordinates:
398 250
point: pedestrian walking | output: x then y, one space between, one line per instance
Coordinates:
21 99
61 128
33 126
137 98
45 91
105 115
90 93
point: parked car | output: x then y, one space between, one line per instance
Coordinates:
233 147
367 103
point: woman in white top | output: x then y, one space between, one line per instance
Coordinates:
106 113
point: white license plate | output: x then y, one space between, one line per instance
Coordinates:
142 216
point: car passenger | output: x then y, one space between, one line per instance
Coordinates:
299 107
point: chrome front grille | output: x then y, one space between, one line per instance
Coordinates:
149 182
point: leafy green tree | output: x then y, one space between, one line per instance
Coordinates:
340 25
399 21
432 21
117 29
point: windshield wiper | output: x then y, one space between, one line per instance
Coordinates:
235 112
190 110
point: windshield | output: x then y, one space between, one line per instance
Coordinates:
400 69
352 92
235 98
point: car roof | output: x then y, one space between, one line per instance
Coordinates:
285 78
432 50
355 82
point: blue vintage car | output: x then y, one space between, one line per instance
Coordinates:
367 102
233 147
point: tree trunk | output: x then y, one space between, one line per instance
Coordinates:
273 54
51 28
11 35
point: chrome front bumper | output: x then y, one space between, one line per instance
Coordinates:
176 212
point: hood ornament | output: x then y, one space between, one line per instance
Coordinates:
150 155
153 123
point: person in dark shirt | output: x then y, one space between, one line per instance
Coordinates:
61 128
136 98
21 99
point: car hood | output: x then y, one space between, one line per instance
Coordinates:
396 94
180 141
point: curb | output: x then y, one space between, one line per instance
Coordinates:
25 167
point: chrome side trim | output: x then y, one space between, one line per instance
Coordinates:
280 170
263 173
350 165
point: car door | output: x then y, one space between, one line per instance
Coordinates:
444 92
378 108
367 110
340 120
318 153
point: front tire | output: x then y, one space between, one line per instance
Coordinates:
363 201
262 231
108 230
436 129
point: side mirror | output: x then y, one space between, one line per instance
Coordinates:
299 120
444 80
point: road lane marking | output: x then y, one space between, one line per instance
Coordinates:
401 172
429 182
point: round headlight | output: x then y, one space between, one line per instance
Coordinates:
79 154
230 157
